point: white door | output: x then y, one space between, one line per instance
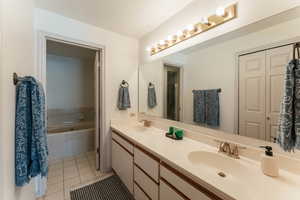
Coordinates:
97 108
252 90
276 62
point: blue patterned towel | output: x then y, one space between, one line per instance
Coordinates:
207 107
199 106
212 107
31 151
289 121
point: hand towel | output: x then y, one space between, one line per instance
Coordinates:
123 99
199 106
212 107
151 97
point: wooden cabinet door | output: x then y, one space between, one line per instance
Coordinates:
166 192
252 92
276 62
122 163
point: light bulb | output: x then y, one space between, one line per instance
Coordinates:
205 20
190 27
179 33
220 12
170 38
161 42
148 49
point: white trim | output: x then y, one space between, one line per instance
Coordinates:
42 38
236 84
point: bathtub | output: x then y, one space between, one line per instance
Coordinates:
70 141
70 132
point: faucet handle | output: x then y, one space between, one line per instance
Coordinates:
235 151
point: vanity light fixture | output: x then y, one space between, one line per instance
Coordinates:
221 16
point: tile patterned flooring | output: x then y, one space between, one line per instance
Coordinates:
69 173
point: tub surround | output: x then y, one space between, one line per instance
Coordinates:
244 178
70 143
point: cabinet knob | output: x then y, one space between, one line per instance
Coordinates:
268 118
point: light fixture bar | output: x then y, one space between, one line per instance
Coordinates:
221 17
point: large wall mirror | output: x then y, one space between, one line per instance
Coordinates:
233 83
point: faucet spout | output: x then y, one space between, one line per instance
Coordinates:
229 149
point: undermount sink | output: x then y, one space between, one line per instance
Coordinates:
216 162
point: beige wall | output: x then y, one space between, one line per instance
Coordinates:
151 72
17 55
154 72
70 82
249 11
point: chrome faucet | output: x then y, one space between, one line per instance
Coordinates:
229 149
147 123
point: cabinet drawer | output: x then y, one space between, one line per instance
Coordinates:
149 186
148 163
122 163
191 190
139 194
122 142
166 192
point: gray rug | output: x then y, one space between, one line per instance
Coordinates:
108 189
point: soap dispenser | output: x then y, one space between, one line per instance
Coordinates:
269 163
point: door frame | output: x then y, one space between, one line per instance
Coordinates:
180 96
41 68
237 71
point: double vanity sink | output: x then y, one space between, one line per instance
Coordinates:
200 166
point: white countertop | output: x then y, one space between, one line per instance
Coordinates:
244 182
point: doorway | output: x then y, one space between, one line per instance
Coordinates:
77 69
172 87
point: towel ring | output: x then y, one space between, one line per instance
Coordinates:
124 84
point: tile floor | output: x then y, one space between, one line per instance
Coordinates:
70 173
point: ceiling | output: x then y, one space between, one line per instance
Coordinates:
134 18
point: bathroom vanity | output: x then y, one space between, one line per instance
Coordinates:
153 166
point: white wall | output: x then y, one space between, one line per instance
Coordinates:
154 72
70 82
248 13
121 62
17 55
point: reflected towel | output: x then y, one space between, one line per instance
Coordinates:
151 97
199 106
124 99
289 121
212 107
31 151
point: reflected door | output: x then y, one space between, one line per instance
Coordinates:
276 62
252 92
172 93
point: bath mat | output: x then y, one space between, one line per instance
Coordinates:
110 188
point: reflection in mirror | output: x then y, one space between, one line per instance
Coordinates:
233 83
